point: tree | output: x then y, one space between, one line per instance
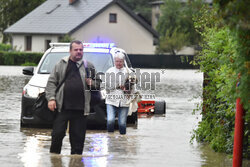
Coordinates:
176 27
66 38
142 7
172 41
13 10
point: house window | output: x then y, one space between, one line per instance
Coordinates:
47 42
113 18
28 42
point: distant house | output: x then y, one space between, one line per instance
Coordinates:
85 20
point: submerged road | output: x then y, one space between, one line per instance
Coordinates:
158 141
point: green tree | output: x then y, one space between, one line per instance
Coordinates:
176 27
142 7
172 41
66 38
13 10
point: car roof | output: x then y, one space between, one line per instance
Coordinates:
88 47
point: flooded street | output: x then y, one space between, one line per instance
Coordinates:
158 141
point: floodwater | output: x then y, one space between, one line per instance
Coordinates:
157 141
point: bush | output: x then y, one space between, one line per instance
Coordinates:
29 64
19 58
219 94
5 47
224 55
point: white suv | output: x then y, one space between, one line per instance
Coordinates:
97 53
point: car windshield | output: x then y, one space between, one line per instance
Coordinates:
101 61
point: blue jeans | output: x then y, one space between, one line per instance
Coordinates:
122 118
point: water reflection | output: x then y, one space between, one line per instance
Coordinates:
56 160
31 154
103 148
212 158
100 149
74 161
97 149
35 144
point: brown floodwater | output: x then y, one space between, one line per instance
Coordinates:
158 141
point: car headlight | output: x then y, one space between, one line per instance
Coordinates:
32 91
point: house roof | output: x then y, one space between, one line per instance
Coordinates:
60 17
183 1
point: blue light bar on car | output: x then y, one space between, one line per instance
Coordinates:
99 45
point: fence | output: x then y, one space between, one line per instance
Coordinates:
162 61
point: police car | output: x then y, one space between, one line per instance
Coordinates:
97 53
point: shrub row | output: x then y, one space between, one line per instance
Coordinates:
19 58
224 55
5 47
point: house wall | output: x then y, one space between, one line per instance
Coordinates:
127 33
38 42
18 42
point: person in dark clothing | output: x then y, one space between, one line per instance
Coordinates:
71 101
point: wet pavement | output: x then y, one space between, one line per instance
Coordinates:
155 141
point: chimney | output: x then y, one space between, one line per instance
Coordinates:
156 12
72 1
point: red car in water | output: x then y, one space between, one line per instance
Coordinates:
151 107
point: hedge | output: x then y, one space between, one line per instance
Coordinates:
5 47
19 58
224 55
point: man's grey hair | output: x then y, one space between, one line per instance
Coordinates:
119 55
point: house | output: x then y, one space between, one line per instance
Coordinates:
85 20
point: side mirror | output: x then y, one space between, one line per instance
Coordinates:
28 71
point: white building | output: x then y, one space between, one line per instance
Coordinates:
85 20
